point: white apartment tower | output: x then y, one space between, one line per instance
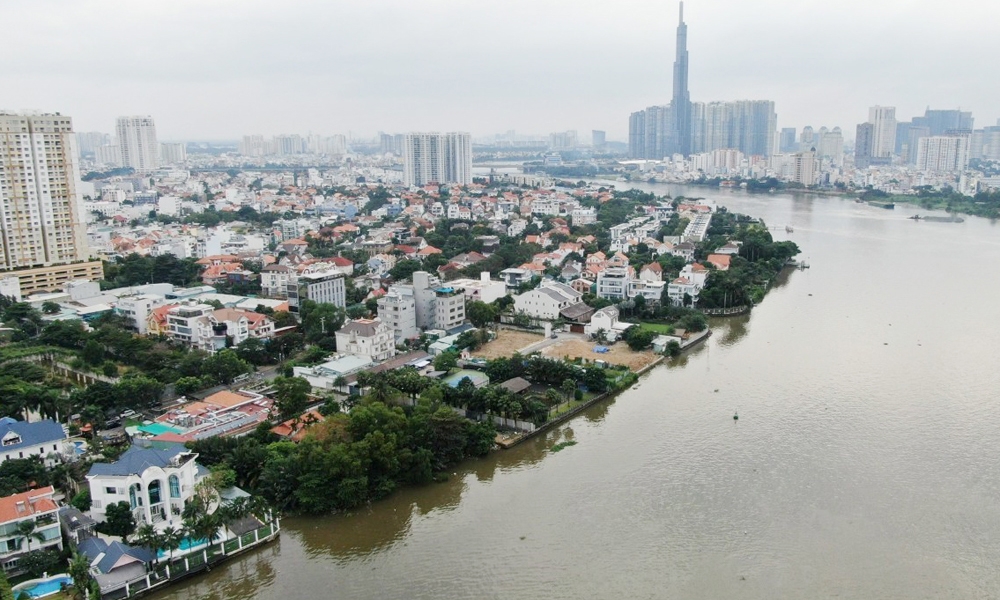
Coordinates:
40 203
437 158
137 138
883 118
943 153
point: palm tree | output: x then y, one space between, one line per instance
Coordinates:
170 540
79 570
27 529
148 537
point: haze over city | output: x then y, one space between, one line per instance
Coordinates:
223 69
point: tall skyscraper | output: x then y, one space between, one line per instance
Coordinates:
598 139
437 158
863 144
680 129
137 139
787 143
40 204
883 120
939 122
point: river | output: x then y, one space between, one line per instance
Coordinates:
863 465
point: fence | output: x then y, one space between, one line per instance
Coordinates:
189 564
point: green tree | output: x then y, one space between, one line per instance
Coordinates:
81 501
254 351
320 322
38 562
568 387
93 353
291 395
446 361
6 593
481 314
118 520
188 385
140 391
283 318
79 571
50 308
224 366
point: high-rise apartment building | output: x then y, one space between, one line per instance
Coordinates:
563 140
137 140
863 145
88 141
883 120
598 139
830 145
253 145
787 141
172 154
943 153
437 158
939 122
41 224
805 168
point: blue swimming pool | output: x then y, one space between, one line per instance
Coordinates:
186 544
38 588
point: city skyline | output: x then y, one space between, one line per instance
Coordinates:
818 63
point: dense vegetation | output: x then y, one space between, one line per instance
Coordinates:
350 459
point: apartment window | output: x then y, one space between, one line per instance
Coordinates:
111 490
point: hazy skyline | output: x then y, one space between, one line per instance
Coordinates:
221 69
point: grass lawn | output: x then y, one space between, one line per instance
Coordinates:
660 328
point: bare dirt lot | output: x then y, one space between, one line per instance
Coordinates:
619 354
508 343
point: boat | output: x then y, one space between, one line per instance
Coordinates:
736 416
788 229
882 204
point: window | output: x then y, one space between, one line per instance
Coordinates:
175 486
110 490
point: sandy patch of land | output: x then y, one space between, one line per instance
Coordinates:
619 354
507 343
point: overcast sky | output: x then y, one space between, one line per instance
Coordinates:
218 69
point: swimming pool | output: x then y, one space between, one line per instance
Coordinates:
186 545
39 588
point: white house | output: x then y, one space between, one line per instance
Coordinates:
36 507
370 338
547 300
19 439
606 320
690 282
154 483
274 280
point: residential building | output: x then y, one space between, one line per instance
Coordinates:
943 153
688 285
437 158
322 287
155 483
805 168
187 324
483 289
883 120
613 282
138 308
20 439
274 280
41 220
370 338
137 139
172 154
605 322
397 309
37 507
547 301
